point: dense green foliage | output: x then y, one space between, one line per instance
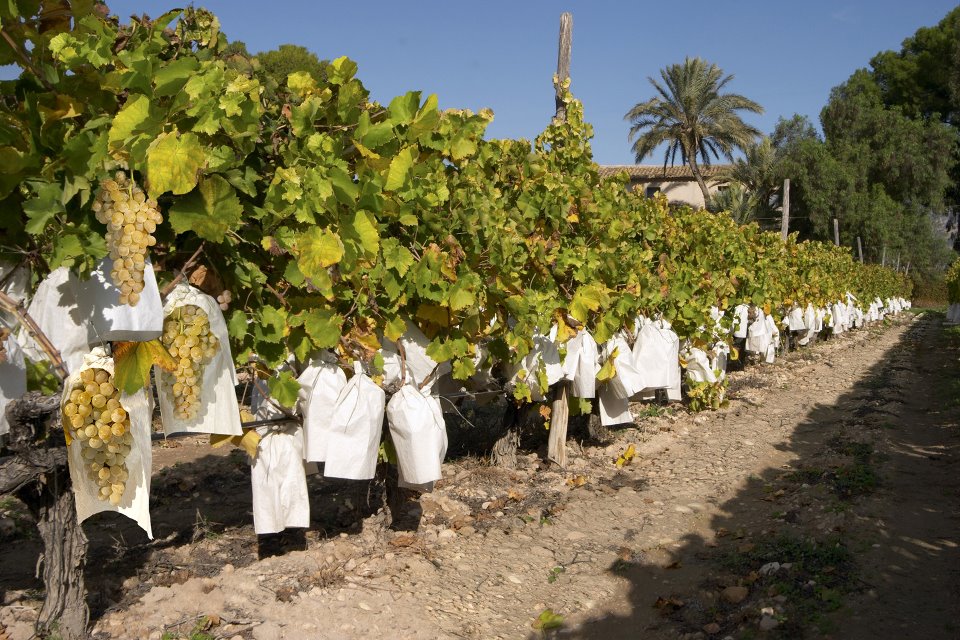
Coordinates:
335 220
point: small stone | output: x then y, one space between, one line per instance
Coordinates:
447 535
514 579
768 622
576 535
467 531
227 568
734 595
769 569
711 628
364 606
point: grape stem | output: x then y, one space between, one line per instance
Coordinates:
16 308
183 272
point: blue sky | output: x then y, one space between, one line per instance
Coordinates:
785 55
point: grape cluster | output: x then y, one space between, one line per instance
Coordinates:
95 418
187 336
224 299
131 219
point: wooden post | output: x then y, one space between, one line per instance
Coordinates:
908 268
883 259
563 59
836 232
785 223
559 409
898 261
860 249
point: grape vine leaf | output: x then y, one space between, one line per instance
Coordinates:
399 170
284 389
323 328
133 360
174 162
318 249
210 210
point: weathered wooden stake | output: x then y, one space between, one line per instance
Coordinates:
563 59
560 410
785 222
860 249
883 258
898 261
836 232
908 268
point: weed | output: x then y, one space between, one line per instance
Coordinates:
555 573
854 479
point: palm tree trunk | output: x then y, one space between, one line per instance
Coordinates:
695 169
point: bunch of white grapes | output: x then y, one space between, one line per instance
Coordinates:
187 336
95 418
131 219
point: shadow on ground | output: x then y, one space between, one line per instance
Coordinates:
859 538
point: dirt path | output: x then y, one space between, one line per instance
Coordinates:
837 463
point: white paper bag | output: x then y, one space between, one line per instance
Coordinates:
758 335
580 365
656 355
741 320
419 435
278 477
13 379
419 364
320 385
613 406
17 286
774 333
135 502
114 321
279 482
219 410
354 440
544 353
699 368
795 319
56 309
628 380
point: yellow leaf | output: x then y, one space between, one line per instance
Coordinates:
609 369
626 456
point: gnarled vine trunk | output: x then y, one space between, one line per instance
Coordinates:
37 474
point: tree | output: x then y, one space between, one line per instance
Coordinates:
693 116
279 63
739 201
758 174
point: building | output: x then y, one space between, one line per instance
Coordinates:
676 182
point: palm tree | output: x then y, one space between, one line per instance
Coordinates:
692 116
759 173
738 201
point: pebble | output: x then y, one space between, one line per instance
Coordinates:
769 569
711 628
768 622
514 579
576 535
734 595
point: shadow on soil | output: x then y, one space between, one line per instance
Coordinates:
894 431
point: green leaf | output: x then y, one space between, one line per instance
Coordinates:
284 389
460 297
210 210
365 226
237 325
403 108
548 620
43 206
171 77
174 163
323 327
316 249
378 135
137 117
301 82
588 298
272 324
344 188
341 70
399 170
396 256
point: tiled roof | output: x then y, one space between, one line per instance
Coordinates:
659 172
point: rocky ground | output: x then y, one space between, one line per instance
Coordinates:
823 502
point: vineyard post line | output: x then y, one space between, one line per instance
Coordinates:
785 222
559 409
836 232
860 249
